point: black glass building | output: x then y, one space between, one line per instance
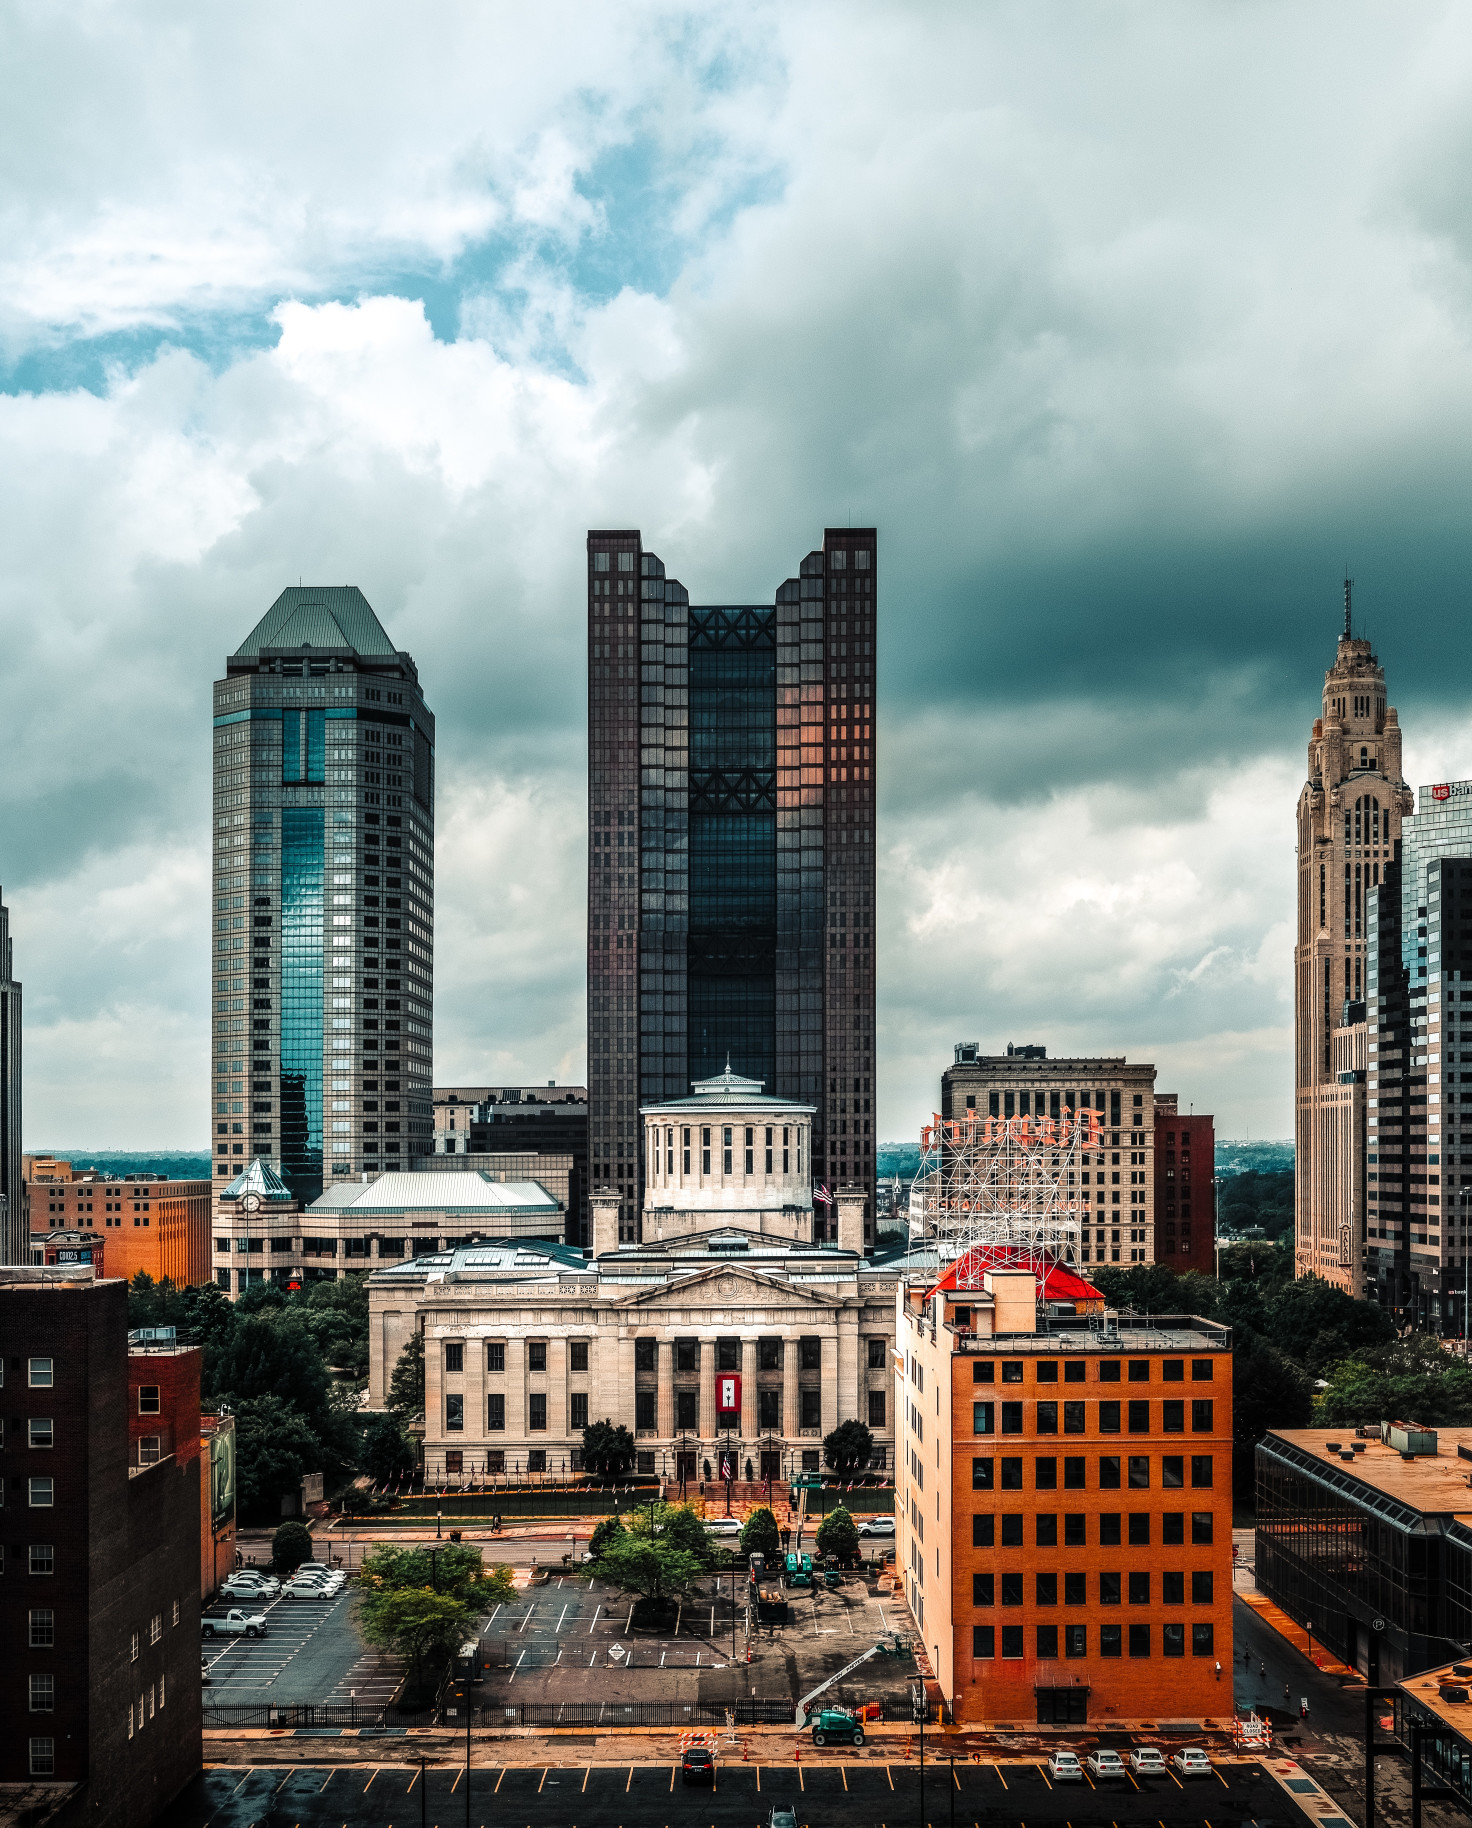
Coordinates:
731 849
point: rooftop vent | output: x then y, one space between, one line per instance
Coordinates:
1408 1438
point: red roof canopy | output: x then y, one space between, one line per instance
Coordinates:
1055 1282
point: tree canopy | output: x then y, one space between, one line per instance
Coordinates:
415 1622
655 1568
759 1534
848 1448
274 1446
456 1569
406 1386
838 1535
291 1546
608 1449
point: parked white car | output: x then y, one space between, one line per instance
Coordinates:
305 1586
314 1570
249 1585
235 1624
1191 1761
723 1526
1103 1763
1146 1761
877 1526
1064 1767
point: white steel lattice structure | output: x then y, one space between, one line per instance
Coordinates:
1010 1182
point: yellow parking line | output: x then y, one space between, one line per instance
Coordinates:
1043 1773
326 1781
801 1784
586 1770
1221 1780
630 1780
844 1775
369 1785
890 1775
545 1769
456 1785
498 1780
998 1770
412 1781
672 1777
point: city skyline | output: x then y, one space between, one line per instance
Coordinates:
1099 377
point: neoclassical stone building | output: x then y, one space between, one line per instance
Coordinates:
732 1328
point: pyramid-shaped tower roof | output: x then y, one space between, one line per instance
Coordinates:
319 616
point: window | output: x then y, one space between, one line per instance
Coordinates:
455 1356
1173 1640
1111 1640
687 1409
983 1371
1047 1417
42 1491
578 1417
1011 1418
42 1558
1203 1640
1047 1641
983 1531
1045 1589
536 1409
1201 1587
811 1408
1139 1370
687 1355
1201 1472
769 1408
1109 1473
1172 1527
1139 1472
38 1373
1139 1640
1012 1475
454 1411
43 1627
1109 1418
1073 1473
646 1354
1201 1370
1172 1370
1045 1473
38 1431
577 1355
1045 1529
1012 1642
155 1627
496 1357
536 1355
878 1354
496 1410
728 1355
43 1753
768 1355
536 1460
1076 1589
1109 1528
983 1590
133 1656
43 1694
176 1612
1075 1529
1073 1417
983 1645
1108 1370
1201 1413
1012 1371
810 1354
1139 1418
1201 1526
1173 1417
983 1473
1140 1589
981 1418
1140 1528
1109 1589
1012 1529
644 1412
1172 1471
1075 1640
877 1409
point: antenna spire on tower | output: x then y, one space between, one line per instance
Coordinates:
1348 587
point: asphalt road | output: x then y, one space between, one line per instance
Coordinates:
311 1652
652 1796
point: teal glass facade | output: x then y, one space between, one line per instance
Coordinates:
301 999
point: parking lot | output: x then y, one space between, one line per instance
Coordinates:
311 1652
560 1643
605 1795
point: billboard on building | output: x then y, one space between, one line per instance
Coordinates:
222 1473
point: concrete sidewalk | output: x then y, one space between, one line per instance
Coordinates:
1293 1633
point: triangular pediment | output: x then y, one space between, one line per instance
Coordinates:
727 1282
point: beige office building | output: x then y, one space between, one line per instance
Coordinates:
1349 822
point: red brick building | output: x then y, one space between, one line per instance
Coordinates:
99 1589
1185 1197
147 1221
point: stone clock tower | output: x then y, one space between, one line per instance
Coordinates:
1349 817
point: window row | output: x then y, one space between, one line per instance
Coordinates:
991 1529
985 1588
1113 1472
1075 1641
40 1373
985 1417
1075 1370
681 1354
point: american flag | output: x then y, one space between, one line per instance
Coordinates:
823 1195
725 1466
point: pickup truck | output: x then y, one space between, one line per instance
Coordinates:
235 1624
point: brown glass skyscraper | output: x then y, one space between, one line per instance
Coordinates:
731 779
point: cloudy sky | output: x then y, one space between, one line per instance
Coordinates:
1128 326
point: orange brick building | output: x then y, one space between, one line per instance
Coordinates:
1064 1506
159 1226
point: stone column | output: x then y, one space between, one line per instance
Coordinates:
515 1442
851 1222
790 1408
604 1209
664 1406
750 1431
614 1363
852 1405
707 1350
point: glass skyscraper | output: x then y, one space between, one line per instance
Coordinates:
323 920
731 849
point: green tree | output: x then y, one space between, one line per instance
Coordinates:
336 1315
457 1569
759 1534
273 1354
417 1623
848 1448
1257 1260
1409 1380
385 1452
274 1446
682 1529
838 1535
604 1532
406 1386
1318 1324
656 1569
1268 1391
291 1546
608 1449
